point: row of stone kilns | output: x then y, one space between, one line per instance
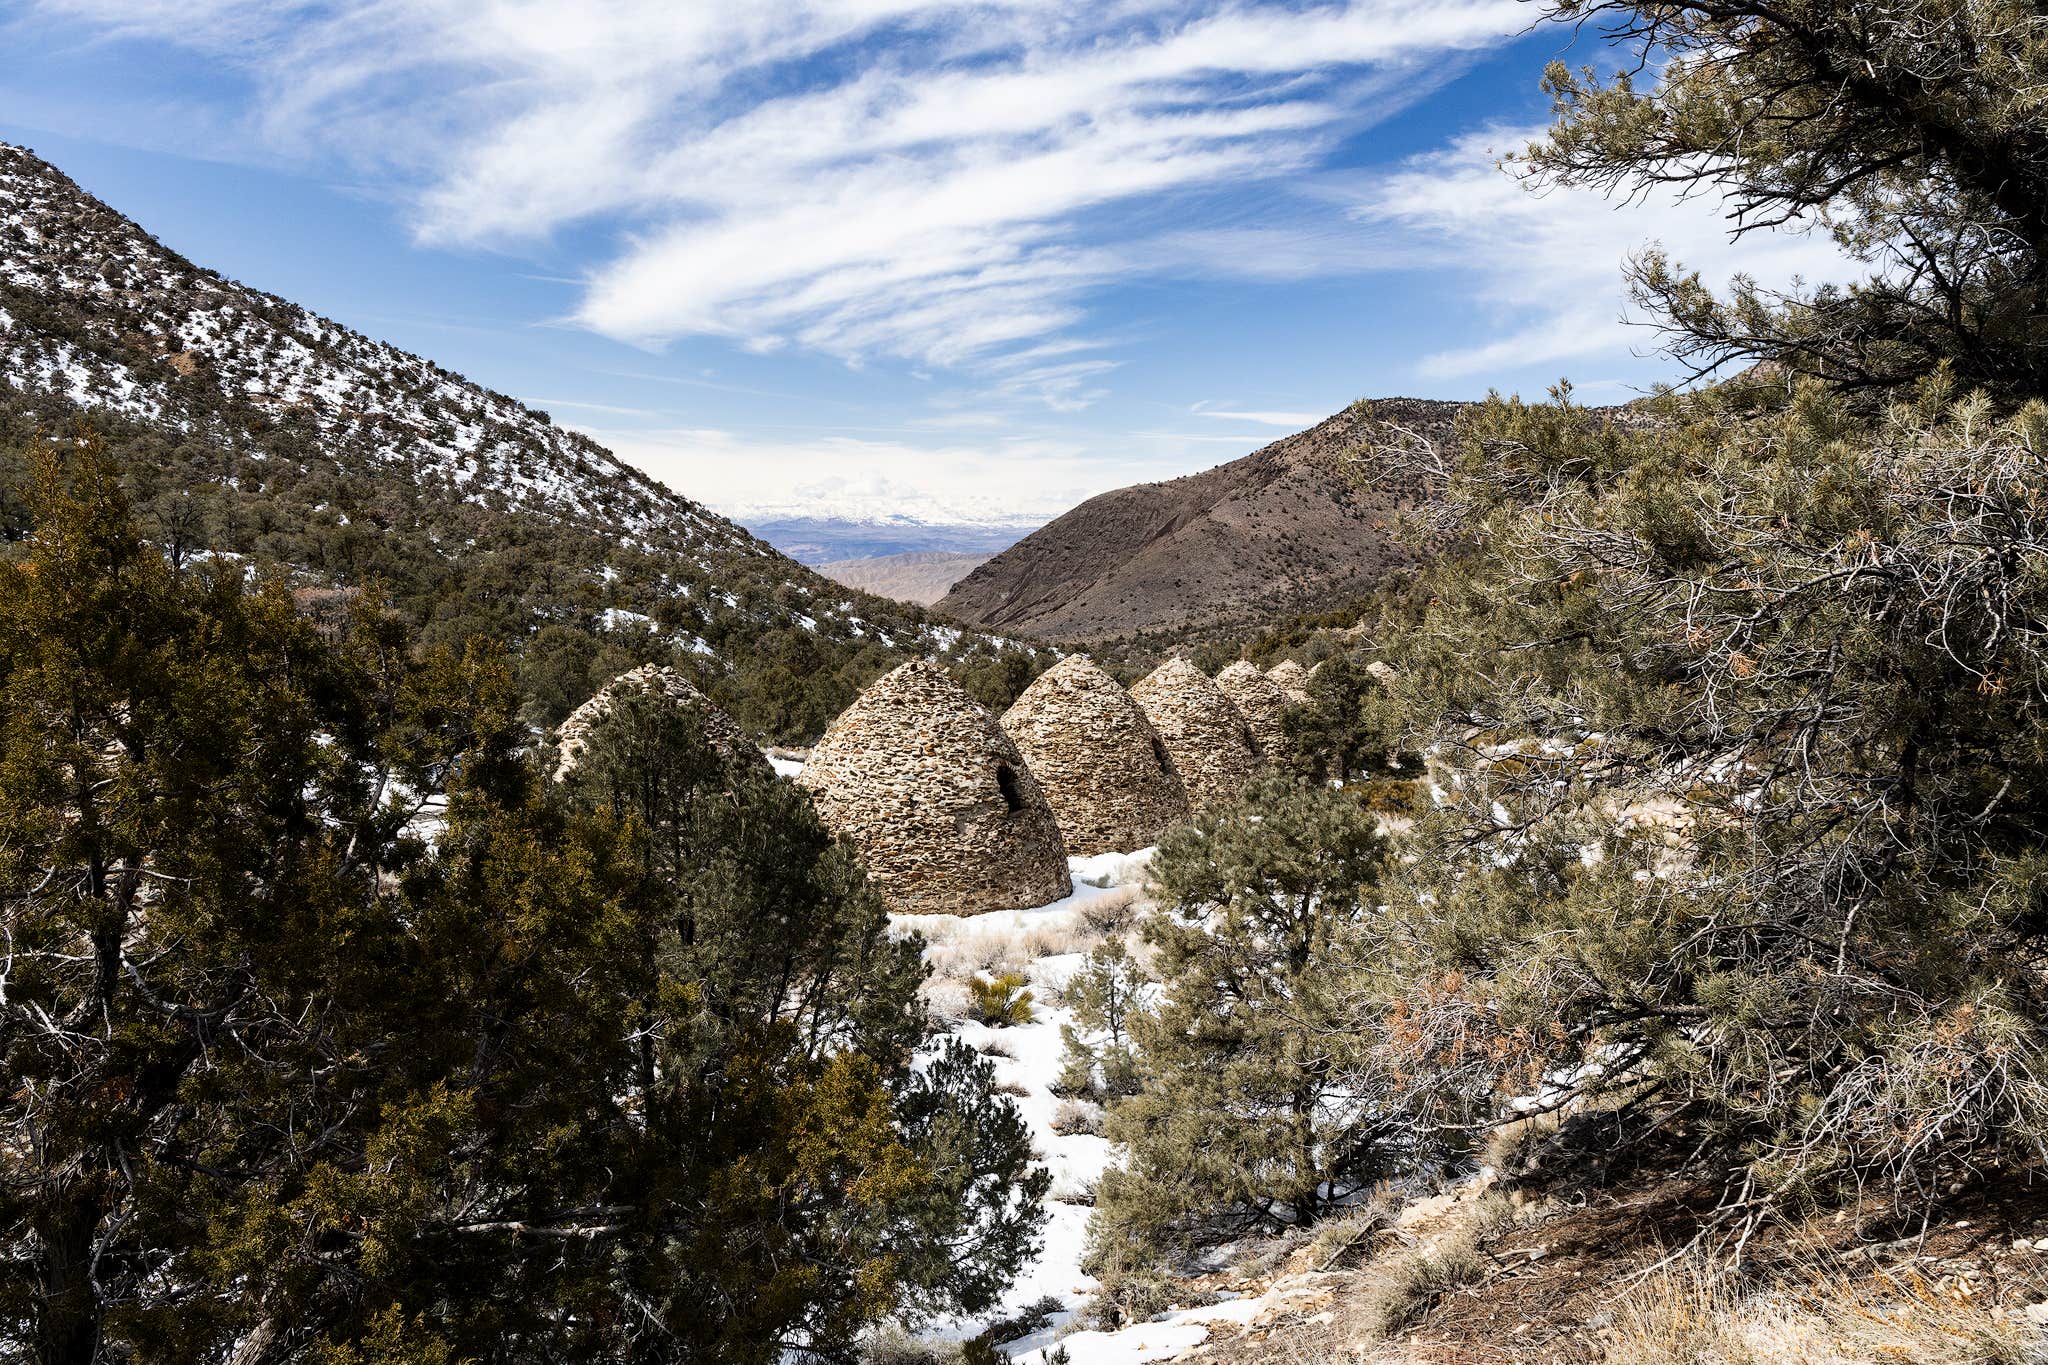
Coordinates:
955 813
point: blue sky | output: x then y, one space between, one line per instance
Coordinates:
843 255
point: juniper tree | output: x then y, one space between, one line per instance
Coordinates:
1738 726
291 1080
1915 132
763 921
764 915
191 854
1261 1096
1735 701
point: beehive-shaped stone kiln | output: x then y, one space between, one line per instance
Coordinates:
1204 733
1291 678
1106 772
724 735
940 805
1264 708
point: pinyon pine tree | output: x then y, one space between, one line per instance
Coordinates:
1098 1056
1738 725
583 1076
1736 700
1914 132
1261 1093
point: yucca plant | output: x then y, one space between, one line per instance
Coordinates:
1001 1001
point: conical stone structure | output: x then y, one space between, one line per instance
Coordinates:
1264 708
936 799
1105 770
1204 733
1291 678
724 735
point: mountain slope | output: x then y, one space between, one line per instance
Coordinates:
247 425
1283 529
922 577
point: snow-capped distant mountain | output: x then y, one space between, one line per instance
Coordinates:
815 540
890 502
870 519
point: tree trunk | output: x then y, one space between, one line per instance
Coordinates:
67 1322
267 1341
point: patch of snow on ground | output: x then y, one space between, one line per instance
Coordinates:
1163 1338
1076 1161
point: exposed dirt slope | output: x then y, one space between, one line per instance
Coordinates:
1565 1275
1282 529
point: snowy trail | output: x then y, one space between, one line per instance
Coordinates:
1027 1057
1021 938
1076 1161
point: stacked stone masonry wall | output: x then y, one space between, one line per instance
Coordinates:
1291 678
1264 708
1106 772
1203 731
720 729
941 806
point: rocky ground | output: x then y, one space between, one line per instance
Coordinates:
1591 1269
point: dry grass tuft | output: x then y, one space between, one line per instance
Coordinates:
1267 1256
947 999
1692 1313
1354 1234
1400 1290
894 1346
960 951
1073 1117
1113 912
967 955
1058 937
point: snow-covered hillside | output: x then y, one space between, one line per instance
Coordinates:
353 459
107 316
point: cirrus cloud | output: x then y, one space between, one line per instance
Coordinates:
934 181
1548 266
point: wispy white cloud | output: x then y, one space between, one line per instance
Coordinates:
1264 419
960 421
1028 478
1243 443
917 179
948 185
1548 266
